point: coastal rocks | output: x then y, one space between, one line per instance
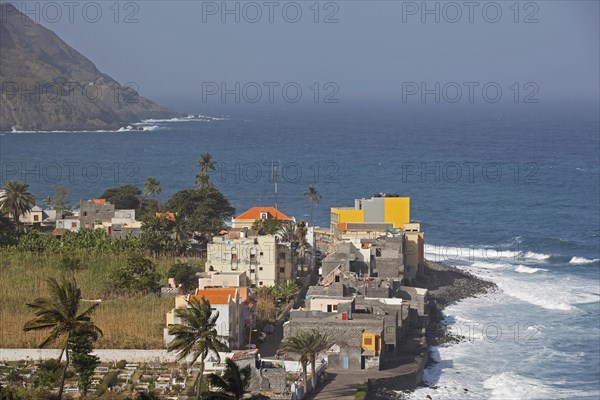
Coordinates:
448 284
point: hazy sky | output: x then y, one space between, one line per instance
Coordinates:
375 46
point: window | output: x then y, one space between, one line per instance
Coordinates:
390 330
260 283
36 218
73 224
85 213
377 252
264 215
368 341
337 278
252 257
233 257
335 307
282 270
261 253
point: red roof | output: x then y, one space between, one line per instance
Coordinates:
254 213
221 295
168 215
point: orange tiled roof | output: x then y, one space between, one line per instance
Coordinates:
254 213
168 215
221 295
99 202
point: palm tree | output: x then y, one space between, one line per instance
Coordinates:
286 290
298 344
60 315
313 197
300 234
318 343
152 186
232 384
197 335
206 164
287 231
16 199
48 202
180 228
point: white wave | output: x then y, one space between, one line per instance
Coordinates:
489 265
138 128
535 256
583 260
528 270
189 118
552 293
509 385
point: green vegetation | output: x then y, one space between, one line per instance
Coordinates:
203 209
267 226
313 197
231 385
16 200
59 314
152 186
125 197
84 362
23 276
137 274
361 392
307 345
184 275
206 164
197 335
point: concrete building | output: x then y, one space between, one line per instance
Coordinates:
236 309
414 250
70 223
34 217
122 230
376 210
247 218
222 279
347 255
93 211
364 330
367 316
265 261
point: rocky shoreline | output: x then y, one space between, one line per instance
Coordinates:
446 285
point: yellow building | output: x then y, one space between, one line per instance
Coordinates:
376 210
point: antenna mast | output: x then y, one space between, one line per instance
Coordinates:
275 175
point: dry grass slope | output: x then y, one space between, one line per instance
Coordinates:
127 322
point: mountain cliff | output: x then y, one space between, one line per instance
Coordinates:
47 85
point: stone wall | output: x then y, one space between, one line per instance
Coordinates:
408 378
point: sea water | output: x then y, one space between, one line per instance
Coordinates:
508 194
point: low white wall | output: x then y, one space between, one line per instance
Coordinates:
105 355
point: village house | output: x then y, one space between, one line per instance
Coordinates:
247 218
363 304
34 217
263 258
70 223
236 308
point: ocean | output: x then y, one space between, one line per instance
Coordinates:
511 194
